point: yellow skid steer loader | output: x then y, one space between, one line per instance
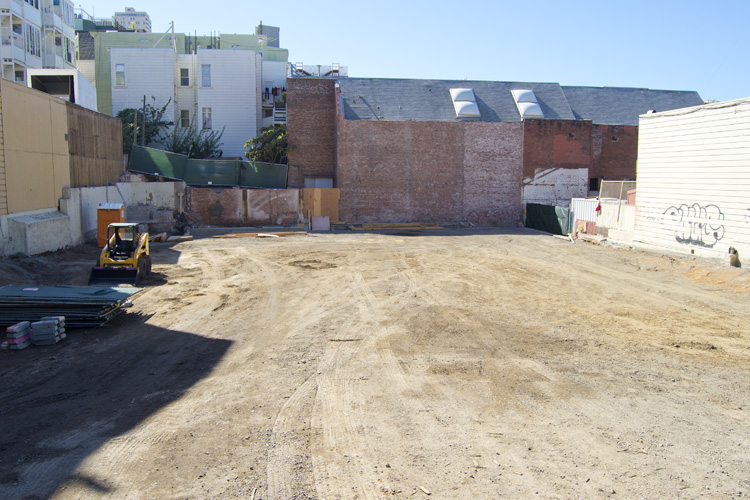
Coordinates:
125 259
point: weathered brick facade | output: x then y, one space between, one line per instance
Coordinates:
447 171
555 144
242 207
615 149
430 171
311 113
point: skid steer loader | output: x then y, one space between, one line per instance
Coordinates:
125 259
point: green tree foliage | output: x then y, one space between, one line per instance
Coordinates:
193 142
155 124
270 146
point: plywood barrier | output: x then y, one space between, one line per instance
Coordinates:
321 202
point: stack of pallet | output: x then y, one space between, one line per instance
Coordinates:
48 331
18 336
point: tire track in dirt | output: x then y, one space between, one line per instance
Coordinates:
343 451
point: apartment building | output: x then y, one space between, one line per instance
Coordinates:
131 19
36 34
230 82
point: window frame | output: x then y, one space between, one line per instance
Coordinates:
205 75
184 118
206 123
124 79
184 77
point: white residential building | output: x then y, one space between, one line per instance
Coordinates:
693 191
36 34
214 89
133 20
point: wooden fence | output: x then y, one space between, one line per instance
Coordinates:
95 147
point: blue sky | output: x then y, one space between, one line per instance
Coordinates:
658 44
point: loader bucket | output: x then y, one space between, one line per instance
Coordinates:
114 276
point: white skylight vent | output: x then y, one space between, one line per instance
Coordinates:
527 105
465 103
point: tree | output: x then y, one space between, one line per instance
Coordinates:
193 142
155 124
270 146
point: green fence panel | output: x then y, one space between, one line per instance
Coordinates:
157 162
555 220
254 174
217 172
211 173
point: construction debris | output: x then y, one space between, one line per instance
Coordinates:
402 226
158 238
177 239
18 336
261 235
82 306
49 330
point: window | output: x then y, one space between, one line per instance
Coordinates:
120 75
33 41
184 118
205 75
185 77
206 118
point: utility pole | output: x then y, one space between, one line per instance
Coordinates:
143 131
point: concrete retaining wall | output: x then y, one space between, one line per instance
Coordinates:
40 231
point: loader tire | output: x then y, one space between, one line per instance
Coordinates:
141 272
148 265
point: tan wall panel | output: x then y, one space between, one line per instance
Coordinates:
31 187
36 148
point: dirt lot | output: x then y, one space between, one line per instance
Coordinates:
462 364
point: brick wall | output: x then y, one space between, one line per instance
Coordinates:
556 144
242 207
311 113
615 149
430 171
214 206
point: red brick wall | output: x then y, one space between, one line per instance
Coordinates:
430 171
556 144
214 206
242 207
311 122
615 151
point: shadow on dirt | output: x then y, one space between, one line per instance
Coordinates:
59 404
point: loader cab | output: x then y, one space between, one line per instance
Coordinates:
122 238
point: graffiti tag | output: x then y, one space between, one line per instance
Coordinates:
696 224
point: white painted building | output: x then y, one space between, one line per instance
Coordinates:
693 191
214 89
67 84
142 72
134 20
36 34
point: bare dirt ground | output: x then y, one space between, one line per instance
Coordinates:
460 364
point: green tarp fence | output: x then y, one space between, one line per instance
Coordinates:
555 220
232 173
